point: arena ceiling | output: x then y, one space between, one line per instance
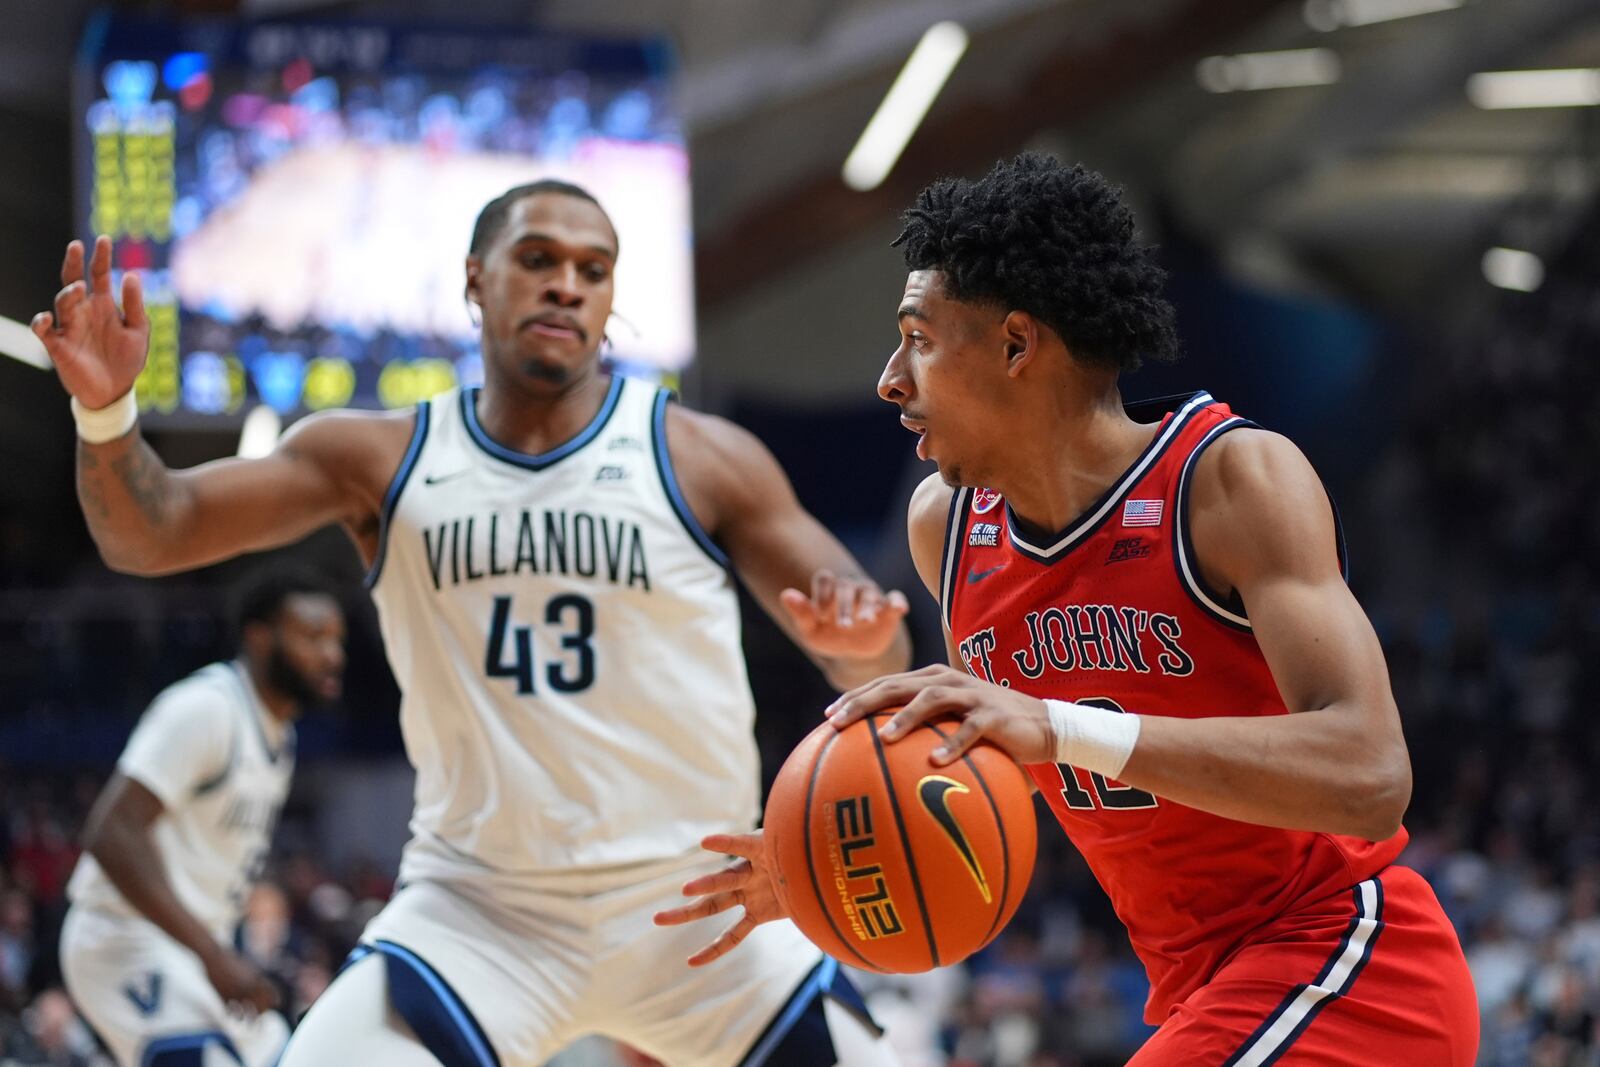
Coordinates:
1388 183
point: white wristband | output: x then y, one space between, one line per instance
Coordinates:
1096 739
99 425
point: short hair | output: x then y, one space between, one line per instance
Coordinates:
492 219
1056 241
261 596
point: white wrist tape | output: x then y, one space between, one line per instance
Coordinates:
99 425
1096 739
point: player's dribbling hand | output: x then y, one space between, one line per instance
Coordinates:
845 617
240 983
1006 718
746 883
98 349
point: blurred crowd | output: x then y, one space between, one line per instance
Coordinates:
1469 542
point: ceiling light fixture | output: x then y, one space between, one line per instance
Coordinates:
1330 15
1512 268
1268 70
1499 89
904 106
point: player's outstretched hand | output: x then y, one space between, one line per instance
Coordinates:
849 618
1014 721
746 883
97 348
240 983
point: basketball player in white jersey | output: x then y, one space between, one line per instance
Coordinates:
181 831
552 558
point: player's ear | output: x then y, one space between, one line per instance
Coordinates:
474 273
1020 334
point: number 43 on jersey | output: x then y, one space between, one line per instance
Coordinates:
510 652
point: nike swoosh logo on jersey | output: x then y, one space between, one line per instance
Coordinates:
934 791
435 479
974 577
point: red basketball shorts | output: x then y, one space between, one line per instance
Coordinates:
1372 976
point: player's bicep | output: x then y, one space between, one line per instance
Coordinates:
1263 526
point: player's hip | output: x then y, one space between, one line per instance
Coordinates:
534 978
1390 985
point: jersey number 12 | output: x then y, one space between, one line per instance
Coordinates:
510 652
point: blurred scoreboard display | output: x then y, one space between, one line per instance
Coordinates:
299 197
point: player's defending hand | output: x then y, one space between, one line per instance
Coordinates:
240 983
1014 721
845 618
98 349
747 883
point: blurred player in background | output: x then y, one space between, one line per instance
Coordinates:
552 558
1092 560
181 832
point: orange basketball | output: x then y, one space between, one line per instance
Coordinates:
890 863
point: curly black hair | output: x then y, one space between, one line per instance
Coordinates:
492 219
1056 241
261 594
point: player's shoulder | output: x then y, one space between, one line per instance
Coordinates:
1252 467
926 518
345 431
690 431
721 462
208 695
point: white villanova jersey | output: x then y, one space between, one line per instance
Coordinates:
566 640
221 765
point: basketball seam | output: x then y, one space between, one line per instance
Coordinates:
1005 846
905 841
811 861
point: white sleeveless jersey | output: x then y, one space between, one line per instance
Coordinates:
566 640
221 765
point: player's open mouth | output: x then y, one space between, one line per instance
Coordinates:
922 435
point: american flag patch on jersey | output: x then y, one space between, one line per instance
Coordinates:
1142 512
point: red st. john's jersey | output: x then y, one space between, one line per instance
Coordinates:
1113 611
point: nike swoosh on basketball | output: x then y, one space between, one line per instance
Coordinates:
934 791
435 479
977 576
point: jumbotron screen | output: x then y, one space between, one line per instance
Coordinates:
299 197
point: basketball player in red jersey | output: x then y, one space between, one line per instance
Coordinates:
1150 609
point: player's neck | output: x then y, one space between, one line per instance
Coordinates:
1086 441
533 423
283 708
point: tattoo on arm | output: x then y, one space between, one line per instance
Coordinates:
138 471
90 490
145 479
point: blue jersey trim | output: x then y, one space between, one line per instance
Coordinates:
1080 528
820 978
254 710
669 482
397 485
186 1050
475 430
433 1010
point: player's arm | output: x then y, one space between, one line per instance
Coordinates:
147 519
849 627
747 882
1261 525
175 747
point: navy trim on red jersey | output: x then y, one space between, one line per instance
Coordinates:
1305 1001
1084 525
955 527
391 499
1229 611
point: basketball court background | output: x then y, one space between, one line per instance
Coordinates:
1370 251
